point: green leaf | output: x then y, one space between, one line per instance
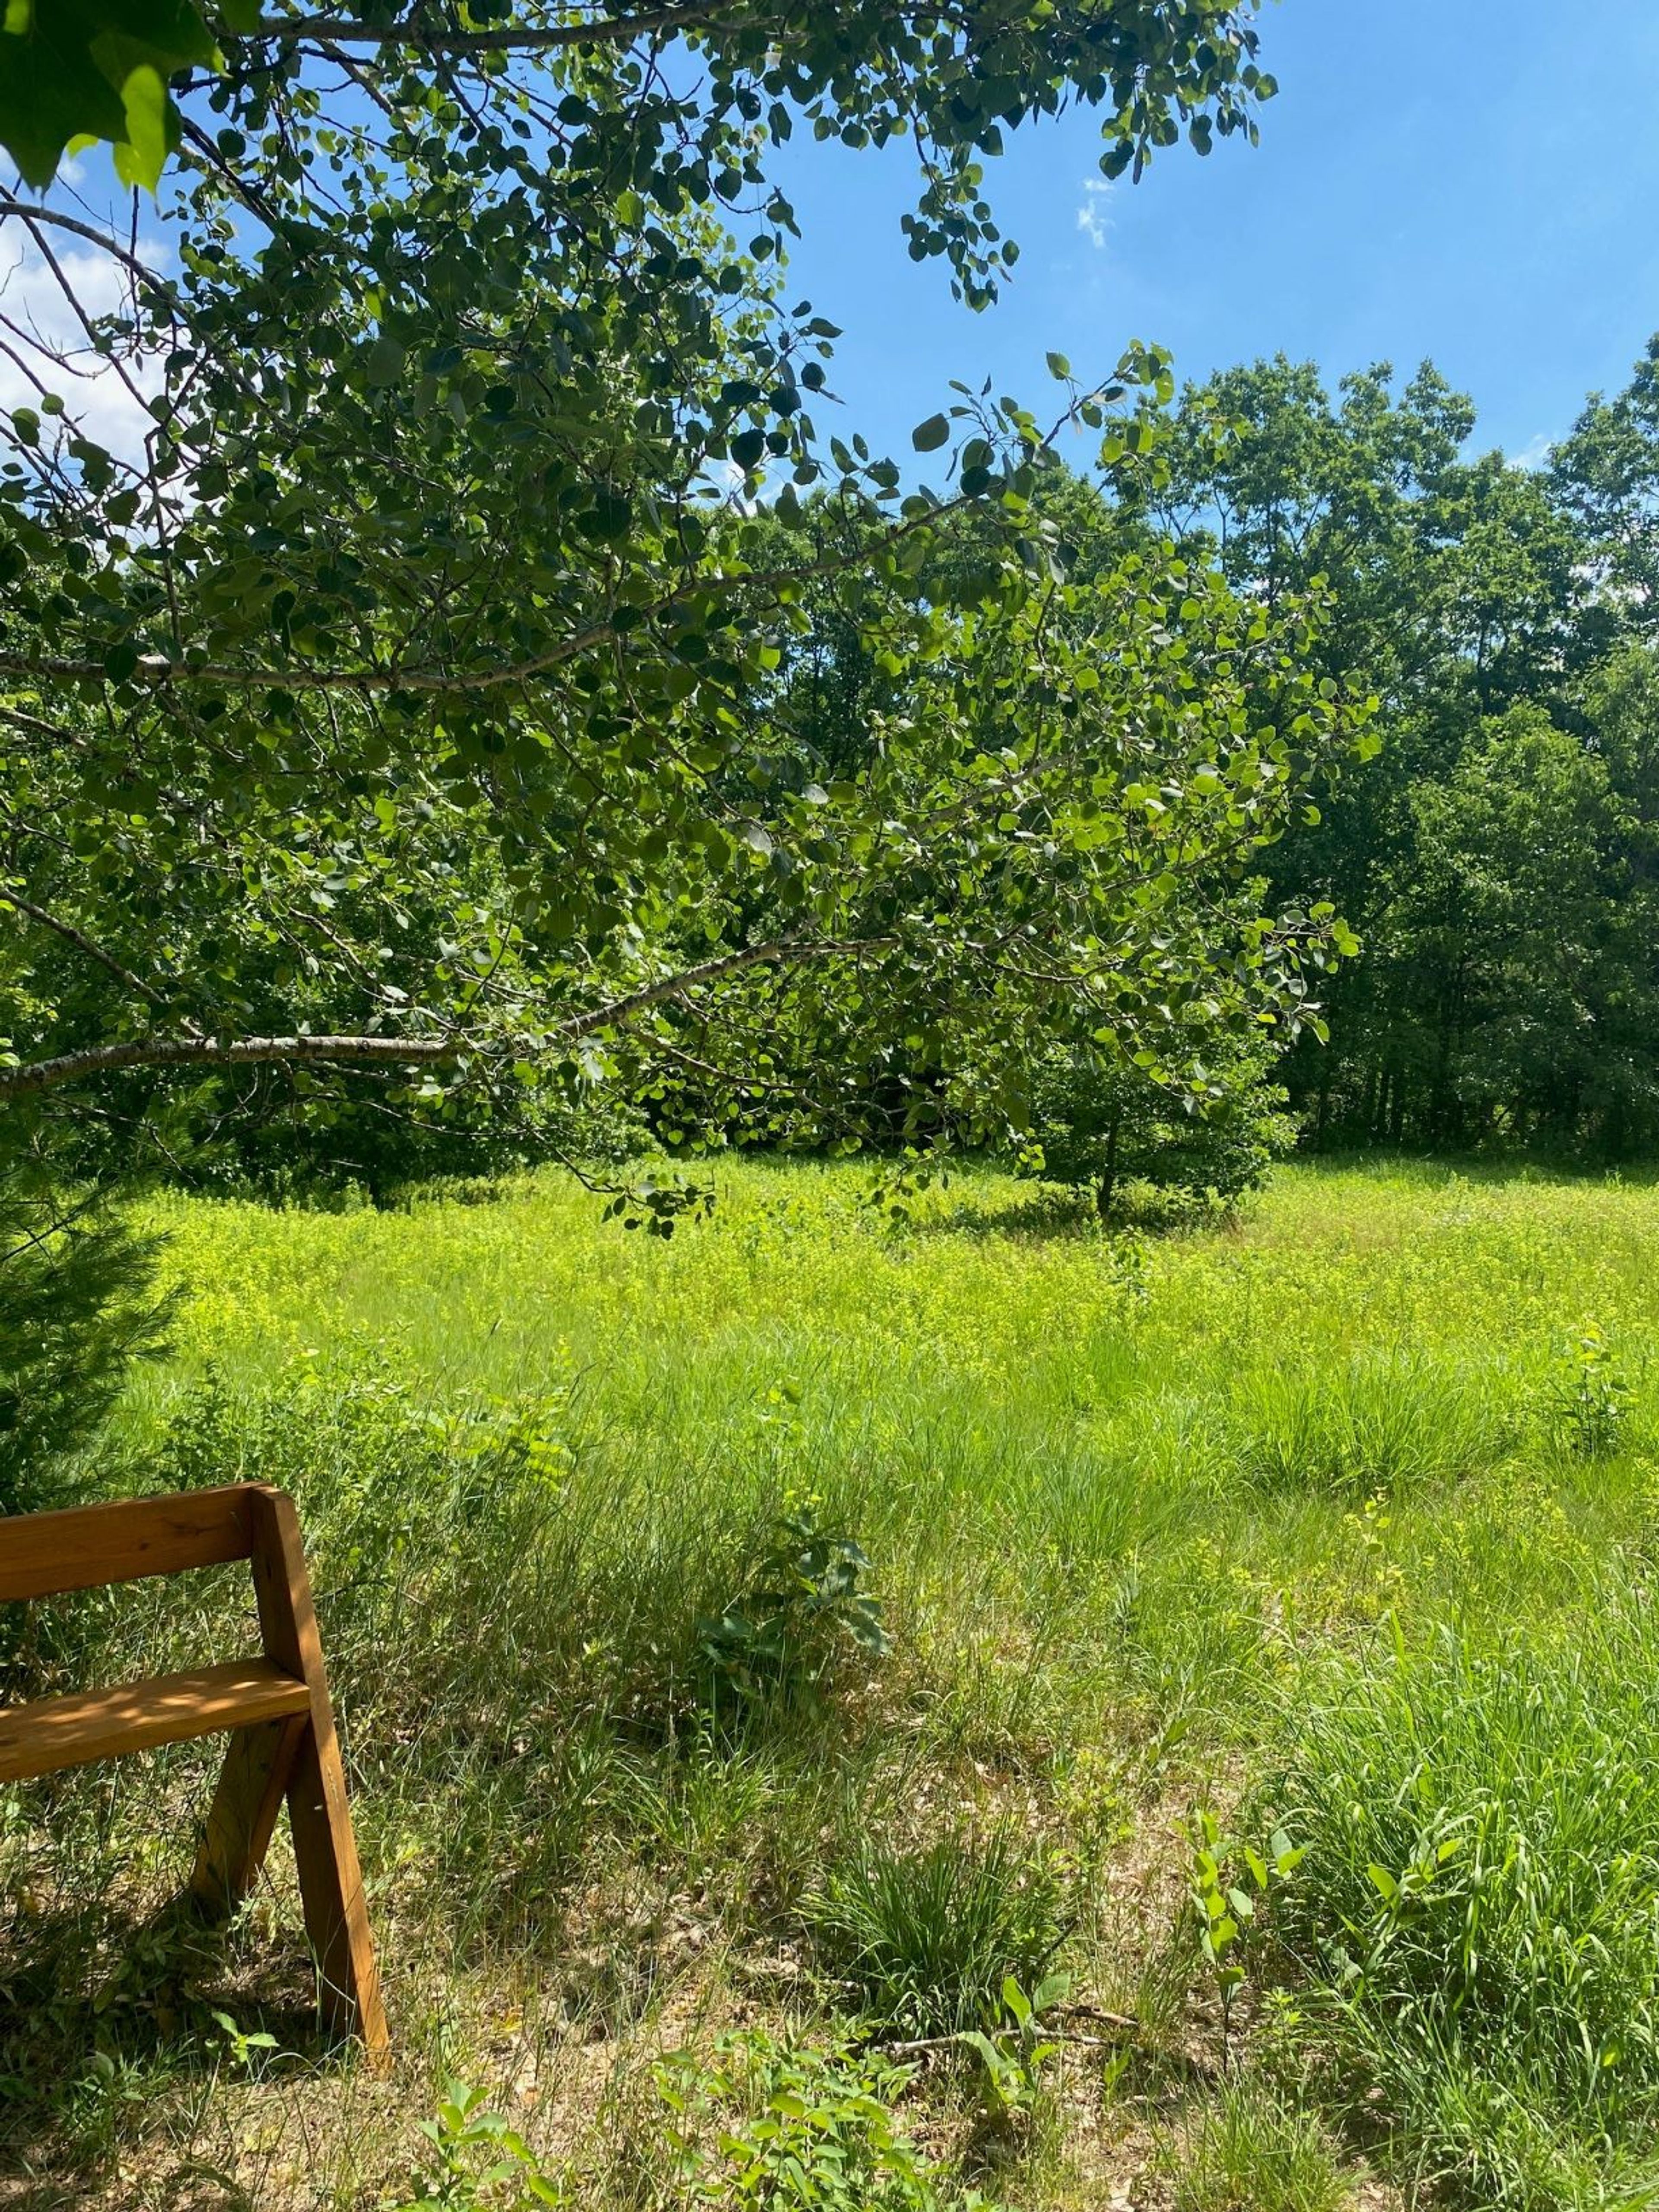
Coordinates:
383 364
86 70
145 103
927 437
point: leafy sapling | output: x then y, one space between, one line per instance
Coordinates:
805 1605
1591 1397
480 2159
1225 1906
1013 2053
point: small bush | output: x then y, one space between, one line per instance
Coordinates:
928 1938
477 2161
802 1611
1589 1404
77 1305
1147 1152
796 2128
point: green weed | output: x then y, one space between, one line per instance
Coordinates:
797 2130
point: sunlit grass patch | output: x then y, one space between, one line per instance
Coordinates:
924 1939
1371 1422
1253 2150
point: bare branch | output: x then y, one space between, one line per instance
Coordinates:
31 216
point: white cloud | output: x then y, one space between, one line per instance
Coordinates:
1535 453
43 334
1092 219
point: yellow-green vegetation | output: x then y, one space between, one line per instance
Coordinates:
1333 1527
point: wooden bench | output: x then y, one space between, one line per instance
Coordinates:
277 1710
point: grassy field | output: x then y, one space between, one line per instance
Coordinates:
1290 1582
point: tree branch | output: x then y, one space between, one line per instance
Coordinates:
157 670
601 30
783 952
429 1050
71 935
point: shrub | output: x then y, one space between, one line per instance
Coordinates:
477 2161
1589 1404
77 1305
1142 1148
797 2128
800 1613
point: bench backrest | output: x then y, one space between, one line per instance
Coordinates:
86 1545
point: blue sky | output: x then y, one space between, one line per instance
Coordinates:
1473 180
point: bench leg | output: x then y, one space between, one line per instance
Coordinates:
324 1849
332 1892
251 1785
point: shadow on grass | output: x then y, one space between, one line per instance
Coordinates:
1052 1214
1539 1168
1047 1214
108 2029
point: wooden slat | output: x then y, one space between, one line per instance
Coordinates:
42 1553
54 1732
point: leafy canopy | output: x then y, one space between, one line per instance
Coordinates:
421 698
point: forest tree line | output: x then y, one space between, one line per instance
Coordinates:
1496 855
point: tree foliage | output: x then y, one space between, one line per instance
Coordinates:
1137 1147
76 1307
424 700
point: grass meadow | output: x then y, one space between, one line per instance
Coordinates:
1260 1675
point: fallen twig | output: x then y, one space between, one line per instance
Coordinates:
919 2044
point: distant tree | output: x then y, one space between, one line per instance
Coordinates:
1500 932
1477 602
1136 1144
1605 476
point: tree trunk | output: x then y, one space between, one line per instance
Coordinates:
1107 1183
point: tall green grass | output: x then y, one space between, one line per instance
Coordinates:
1476 1925
925 1938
